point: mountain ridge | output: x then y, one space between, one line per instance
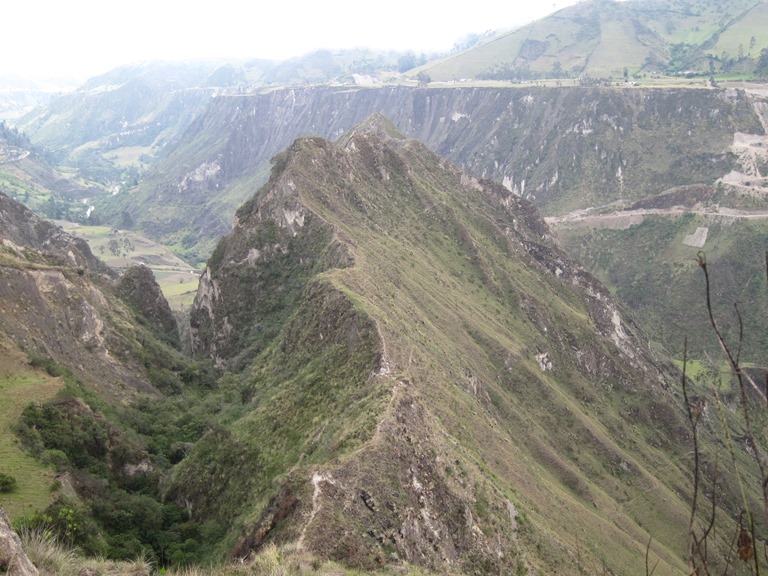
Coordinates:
412 372
58 303
461 324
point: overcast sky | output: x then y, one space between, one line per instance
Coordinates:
83 38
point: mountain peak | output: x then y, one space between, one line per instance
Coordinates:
377 125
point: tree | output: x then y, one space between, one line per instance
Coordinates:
423 78
761 71
406 62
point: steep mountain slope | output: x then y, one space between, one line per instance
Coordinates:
428 378
92 412
603 38
57 302
565 148
647 251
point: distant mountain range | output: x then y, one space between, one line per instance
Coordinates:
119 123
607 38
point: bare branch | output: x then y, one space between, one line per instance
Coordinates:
741 377
693 543
647 551
741 332
702 260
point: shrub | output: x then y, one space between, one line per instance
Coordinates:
55 458
46 551
45 363
7 483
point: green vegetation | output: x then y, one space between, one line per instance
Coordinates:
20 384
601 40
761 71
7 483
657 276
114 459
305 402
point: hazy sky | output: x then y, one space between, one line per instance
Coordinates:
87 37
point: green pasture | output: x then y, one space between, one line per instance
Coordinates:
20 385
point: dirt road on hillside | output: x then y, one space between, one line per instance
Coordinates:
621 219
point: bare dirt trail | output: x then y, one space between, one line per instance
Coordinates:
9 155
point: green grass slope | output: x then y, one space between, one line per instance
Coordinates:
652 269
21 384
744 34
602 38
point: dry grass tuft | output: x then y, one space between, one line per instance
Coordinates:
54 558
47 553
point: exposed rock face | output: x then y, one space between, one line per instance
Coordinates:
20 227
13 560
425 361
138 287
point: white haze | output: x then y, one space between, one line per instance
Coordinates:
81 38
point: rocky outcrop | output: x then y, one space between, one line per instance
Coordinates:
21 228
137 286
13 560
277 246
57 302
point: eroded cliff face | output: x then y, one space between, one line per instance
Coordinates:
21 229
58 302
138 288
443 385
564 148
